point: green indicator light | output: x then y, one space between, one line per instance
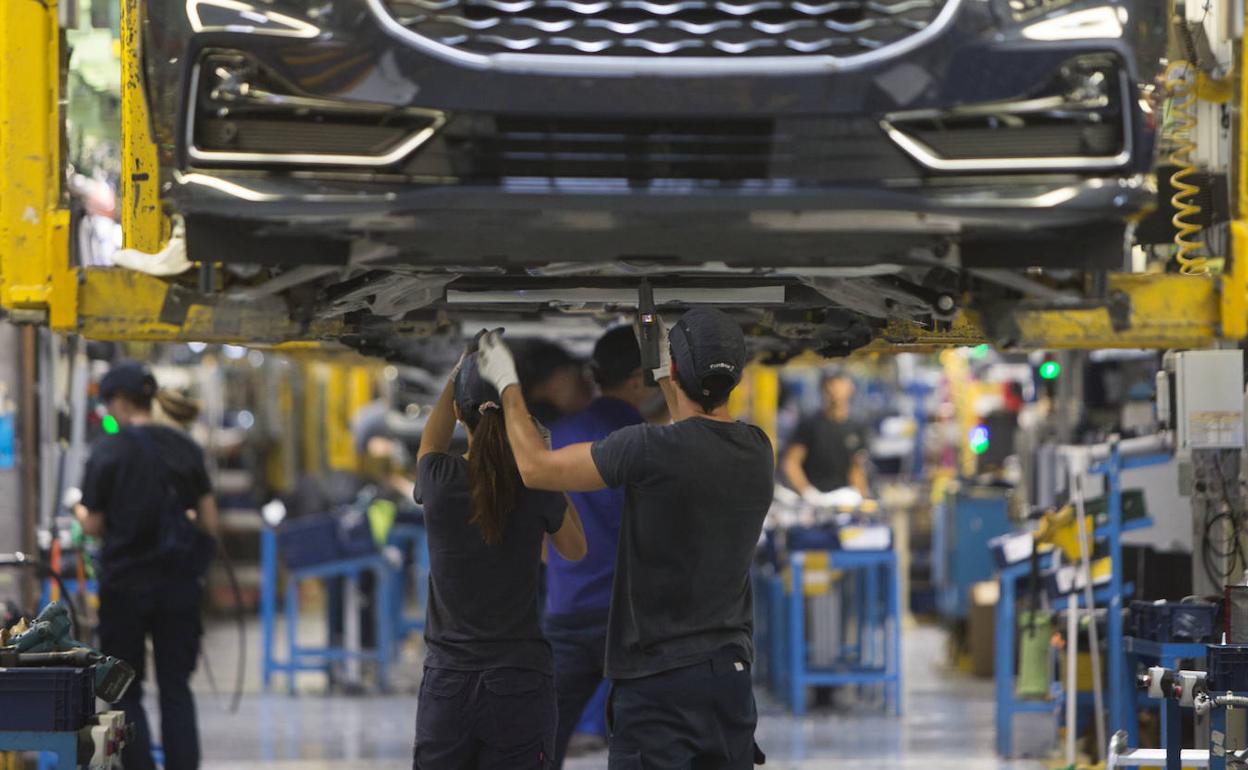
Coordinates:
109 423
978 439
1050 370
979 351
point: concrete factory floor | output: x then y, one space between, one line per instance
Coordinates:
947 722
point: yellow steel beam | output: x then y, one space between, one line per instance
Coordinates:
117 304
143 225
34 226
1143 311
1234 304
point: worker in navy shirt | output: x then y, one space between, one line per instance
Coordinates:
696 492
133 479
578 594
487 697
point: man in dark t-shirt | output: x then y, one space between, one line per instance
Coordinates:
679 632
828 450
131 480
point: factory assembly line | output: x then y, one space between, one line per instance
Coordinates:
777 323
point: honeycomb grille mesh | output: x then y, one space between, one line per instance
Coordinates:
660 28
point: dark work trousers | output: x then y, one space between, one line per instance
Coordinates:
579 642
170 614
699 717
499 719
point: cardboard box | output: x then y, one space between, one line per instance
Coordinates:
981 626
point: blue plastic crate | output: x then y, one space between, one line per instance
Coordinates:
355 534
309 540
46 699
818 538
1173 621
1228 668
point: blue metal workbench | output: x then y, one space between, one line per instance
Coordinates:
1120 701
319 658
62 745
875 658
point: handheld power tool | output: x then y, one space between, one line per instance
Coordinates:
47 643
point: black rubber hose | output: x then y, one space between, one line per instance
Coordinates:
240 673
21 560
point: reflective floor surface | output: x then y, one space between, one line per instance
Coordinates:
947 723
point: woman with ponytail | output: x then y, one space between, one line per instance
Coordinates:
487 699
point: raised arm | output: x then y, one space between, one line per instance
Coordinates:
440 428
569 541
792 464
570 469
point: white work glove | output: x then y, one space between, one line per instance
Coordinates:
495 362
664 369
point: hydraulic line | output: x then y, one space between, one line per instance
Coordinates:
1179 85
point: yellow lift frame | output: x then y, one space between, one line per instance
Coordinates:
39 285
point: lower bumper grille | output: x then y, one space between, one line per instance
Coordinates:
636 150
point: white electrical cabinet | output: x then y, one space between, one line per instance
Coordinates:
1209 399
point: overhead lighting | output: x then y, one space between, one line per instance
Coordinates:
1092 23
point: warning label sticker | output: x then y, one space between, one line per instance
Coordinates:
1215 429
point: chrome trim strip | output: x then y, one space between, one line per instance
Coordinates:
394 155
623 66
929 158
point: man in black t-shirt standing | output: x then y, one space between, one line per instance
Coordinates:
131 480
828 450
680 627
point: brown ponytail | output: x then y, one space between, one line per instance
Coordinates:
493 478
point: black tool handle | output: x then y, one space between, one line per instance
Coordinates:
648 328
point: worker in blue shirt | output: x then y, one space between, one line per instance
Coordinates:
578 594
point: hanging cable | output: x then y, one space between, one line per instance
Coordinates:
1179 85
240 672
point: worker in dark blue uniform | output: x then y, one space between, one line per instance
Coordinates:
132 480
680 631
487 698
578 594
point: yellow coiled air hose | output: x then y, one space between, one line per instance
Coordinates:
1183 100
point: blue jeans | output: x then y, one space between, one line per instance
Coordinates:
579 643
498 719
170 615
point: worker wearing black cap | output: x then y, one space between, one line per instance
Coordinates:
487 698
679 639
578 594
135 486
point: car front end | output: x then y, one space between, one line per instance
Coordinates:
748 132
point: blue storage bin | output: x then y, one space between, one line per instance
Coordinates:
812 539
46 699
1173 621
355 534
309 540
1228 668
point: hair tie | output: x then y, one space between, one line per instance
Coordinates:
487 406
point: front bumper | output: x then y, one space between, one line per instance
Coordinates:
1038 222
848 200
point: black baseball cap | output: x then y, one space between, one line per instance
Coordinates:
707 342
128 378
472 391
616 355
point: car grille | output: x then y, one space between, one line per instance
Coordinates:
635 150
654 28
